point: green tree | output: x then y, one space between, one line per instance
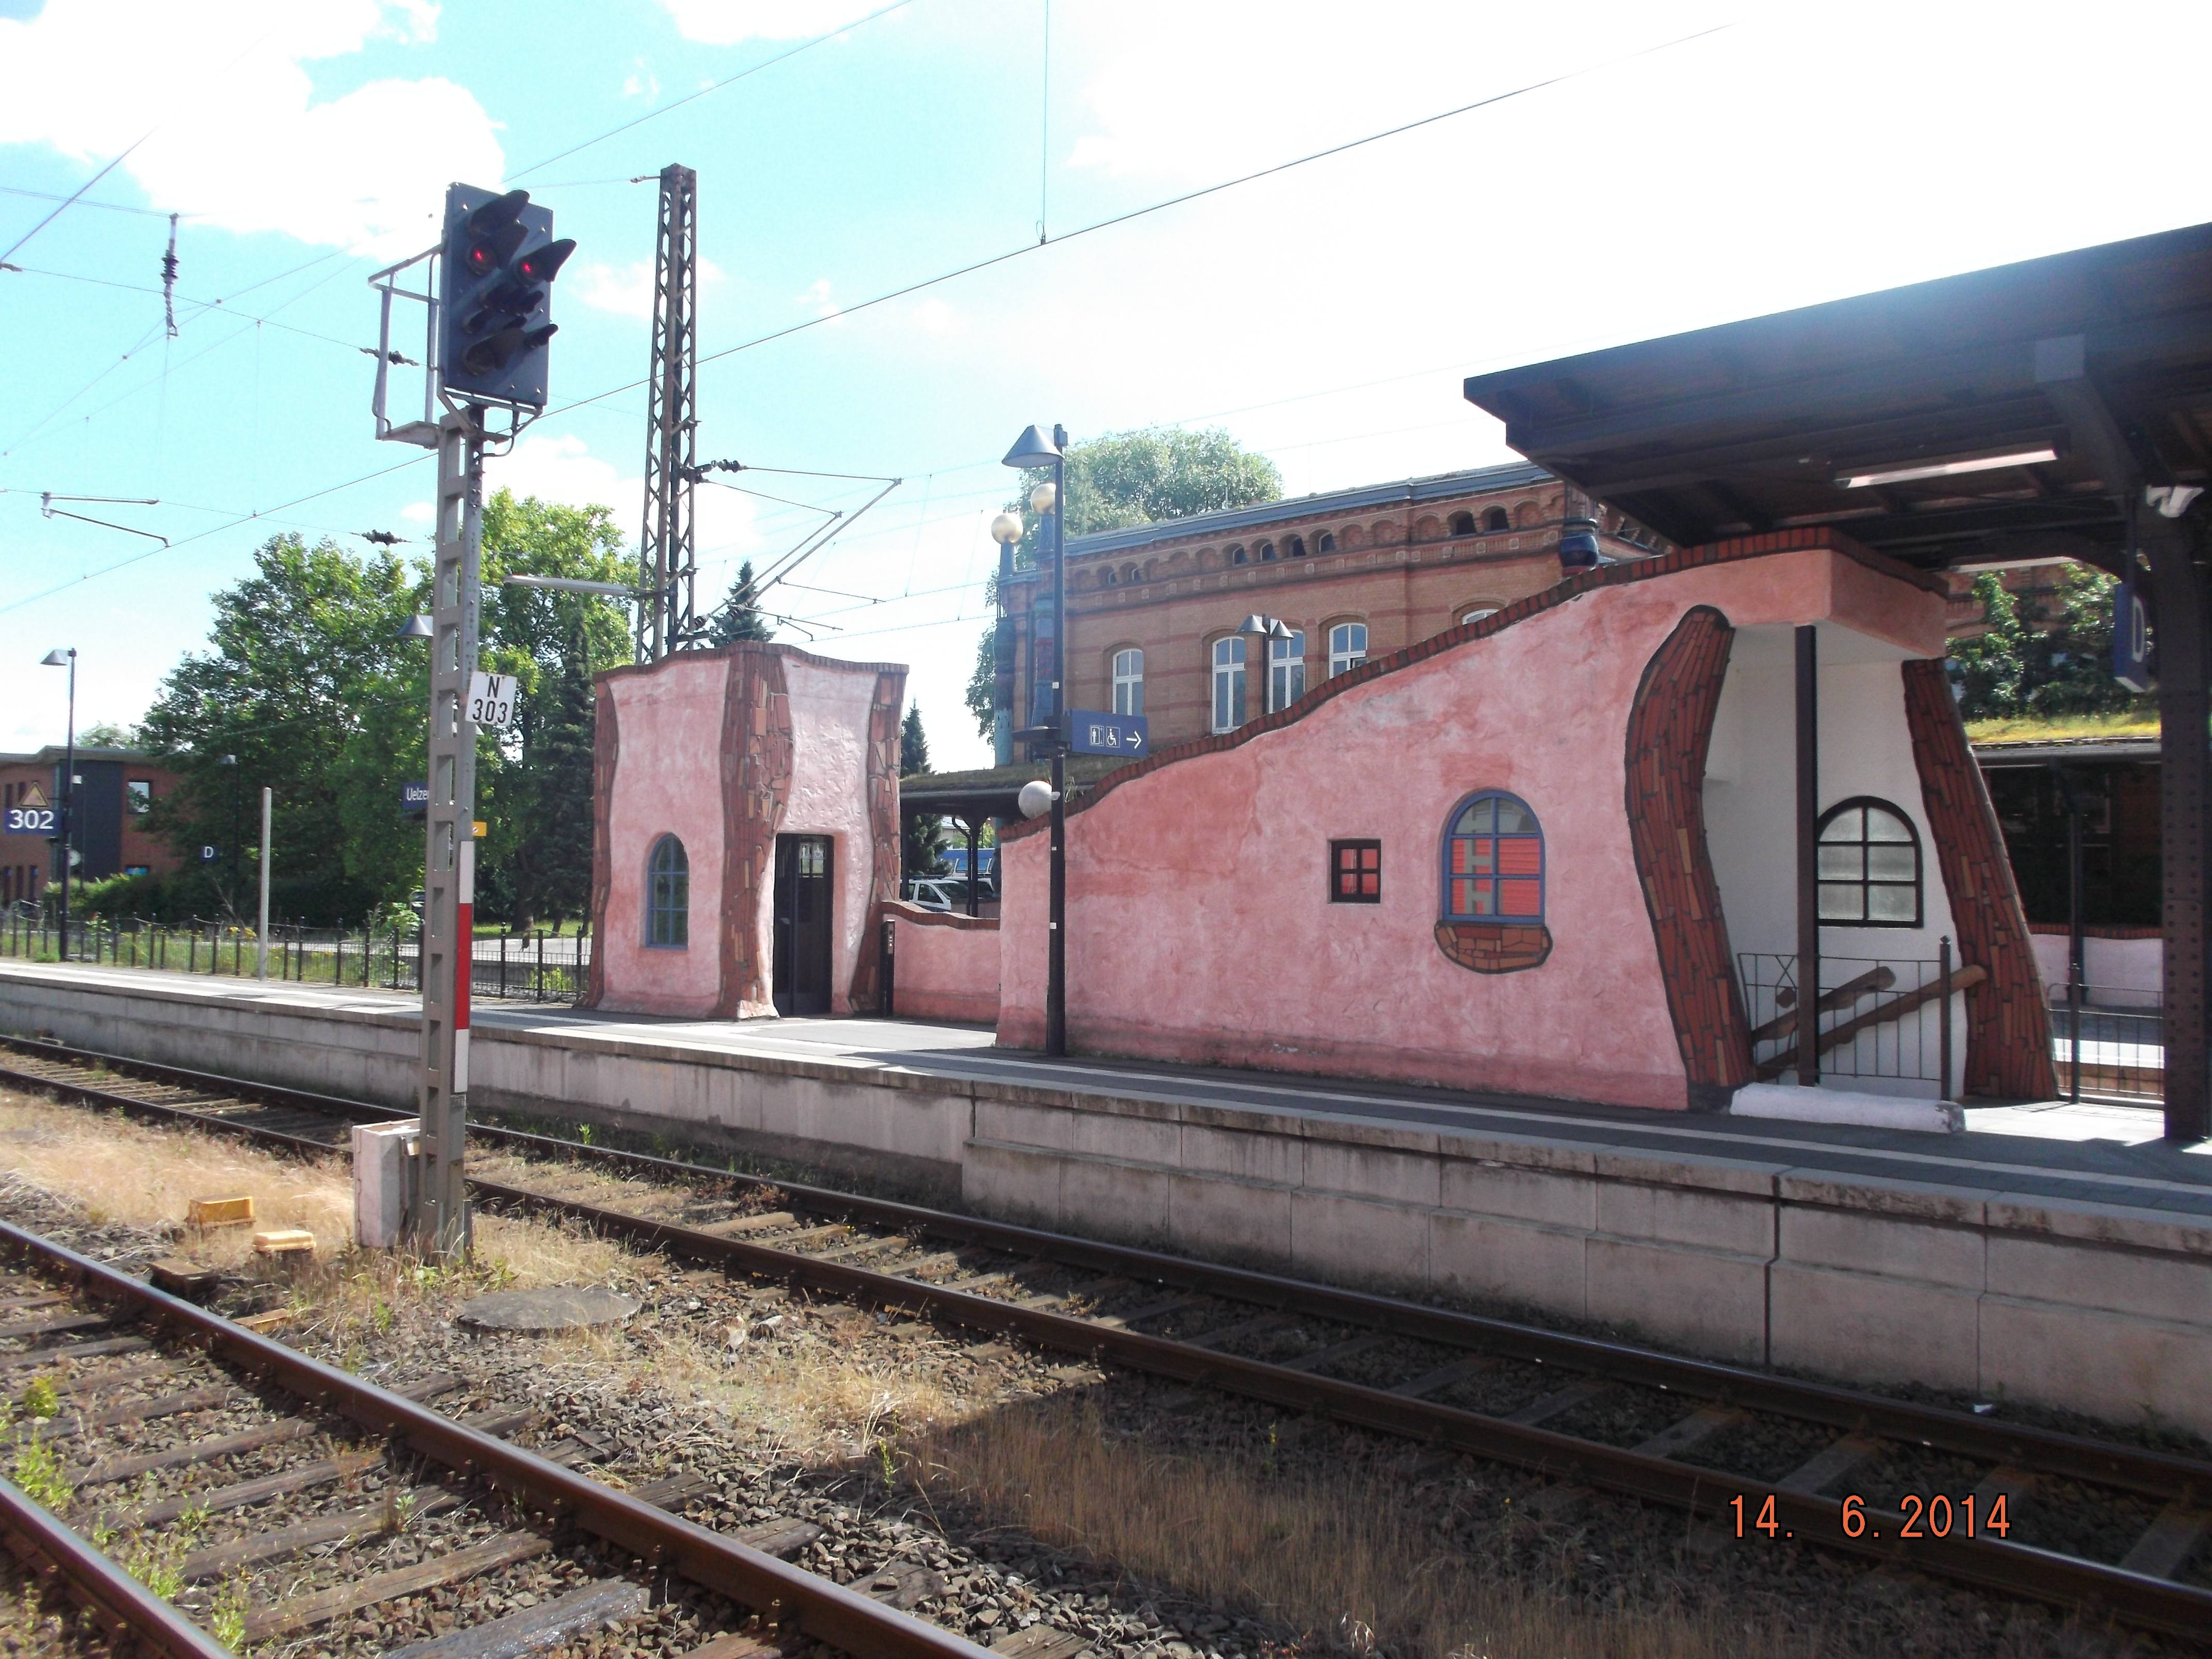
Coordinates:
2014 669
107 735
1123 479
738 616
919 850
1987 668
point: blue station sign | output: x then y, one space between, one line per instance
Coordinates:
414 797
1090 732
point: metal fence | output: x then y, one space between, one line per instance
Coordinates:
1875 1018
2108 1042
537 967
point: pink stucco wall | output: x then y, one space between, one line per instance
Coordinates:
669 782
948 966
829 796
1198 924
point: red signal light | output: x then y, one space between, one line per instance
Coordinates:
543 264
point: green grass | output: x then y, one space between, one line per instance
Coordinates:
2028 729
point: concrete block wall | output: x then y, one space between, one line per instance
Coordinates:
2103 1309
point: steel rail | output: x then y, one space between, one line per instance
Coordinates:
124 1610
2016 1569
780 1593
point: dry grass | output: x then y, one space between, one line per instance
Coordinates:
2028 729
1350 1562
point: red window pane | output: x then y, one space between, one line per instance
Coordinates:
1371 884
1348 857
1521 856
1371 857
1521 898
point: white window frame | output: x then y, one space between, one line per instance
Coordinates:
1347 647
1129 681
1286 670
1476 613
1228 655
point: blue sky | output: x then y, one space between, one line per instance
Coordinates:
1668 177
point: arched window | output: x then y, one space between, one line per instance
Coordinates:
1347 647
1131 575
1325 542
1462 524
1129 682
1106 578
1869 865
1286 672
1237 555
1495 520
1493 861
1266 552
1228 682
1476 613
668 895
1296 546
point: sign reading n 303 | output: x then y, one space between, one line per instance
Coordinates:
491 700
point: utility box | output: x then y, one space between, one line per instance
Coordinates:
385 1162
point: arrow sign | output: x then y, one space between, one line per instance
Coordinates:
1092 732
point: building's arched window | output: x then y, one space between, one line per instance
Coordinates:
1347 647
1325 542
1131 575
1495 520
1106 578
1228 682
1129 682
1237 555
1524 515
1476 613
1286 672
668 895
1266 552
1869 866
1462 524
1297 547
1493 861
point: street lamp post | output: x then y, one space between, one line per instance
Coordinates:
1033 449
1006 530
65 657
237 822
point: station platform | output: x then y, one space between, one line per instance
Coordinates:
2054 1252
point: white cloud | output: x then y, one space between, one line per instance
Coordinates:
419 512
242 141
817 302
641 83
727 23
627 290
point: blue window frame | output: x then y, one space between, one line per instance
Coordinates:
1493 860
668 897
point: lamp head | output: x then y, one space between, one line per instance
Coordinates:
1006 529
1254 623
57 658
417 627
1042 498
1031 449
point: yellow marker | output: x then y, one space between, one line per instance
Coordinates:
481 830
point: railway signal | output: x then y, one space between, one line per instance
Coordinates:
501 259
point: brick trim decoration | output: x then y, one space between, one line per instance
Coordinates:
2007 1027
753 648
1670 727
1494 947
606 753
2097 930
884 826
1612 575
755 758
900 911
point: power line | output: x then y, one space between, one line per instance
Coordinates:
1161 206
715 86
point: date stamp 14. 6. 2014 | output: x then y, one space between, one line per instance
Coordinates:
1916 1515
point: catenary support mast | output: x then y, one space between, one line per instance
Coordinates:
667 555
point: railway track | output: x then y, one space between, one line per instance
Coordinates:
2002 1506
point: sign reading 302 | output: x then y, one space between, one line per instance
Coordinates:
491 700
32 821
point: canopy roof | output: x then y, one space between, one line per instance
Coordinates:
2101 357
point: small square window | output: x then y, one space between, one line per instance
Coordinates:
1355 873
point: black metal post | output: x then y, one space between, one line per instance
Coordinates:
2076 978
69 800
1943 1024
1809 853
975 876
2185 705
1055 995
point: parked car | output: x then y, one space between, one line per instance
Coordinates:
937 892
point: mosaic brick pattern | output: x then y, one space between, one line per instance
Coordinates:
883 823
1669 729
606 750
1494 947
2007 1028
755 768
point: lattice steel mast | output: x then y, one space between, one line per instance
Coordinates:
667 558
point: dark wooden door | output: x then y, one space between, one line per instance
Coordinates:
801 967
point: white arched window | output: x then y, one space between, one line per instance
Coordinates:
1286 672
1477 614
1129 682
1228 682
1347 647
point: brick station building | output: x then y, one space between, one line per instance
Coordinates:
116 789
1152 613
